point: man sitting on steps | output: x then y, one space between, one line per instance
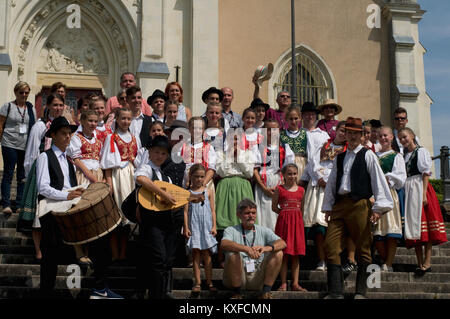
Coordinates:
253 254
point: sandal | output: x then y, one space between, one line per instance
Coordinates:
196 288
212 288
283 287
298 288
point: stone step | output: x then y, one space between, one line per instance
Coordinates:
117 283
11 292
15 241
18 275
223 295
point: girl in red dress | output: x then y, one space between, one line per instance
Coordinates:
287 203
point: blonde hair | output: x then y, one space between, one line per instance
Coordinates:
21 85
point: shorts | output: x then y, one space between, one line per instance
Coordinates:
249 281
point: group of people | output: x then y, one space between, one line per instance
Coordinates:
261 184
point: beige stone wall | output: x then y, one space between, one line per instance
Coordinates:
254 32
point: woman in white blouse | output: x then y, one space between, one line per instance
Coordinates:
424 225
389 228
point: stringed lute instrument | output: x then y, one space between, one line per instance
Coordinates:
152 201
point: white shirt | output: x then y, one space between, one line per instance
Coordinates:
397 176
43 175
315 139
383 199
32 152
136 125
424 161
275 157
243 167
74 151
146 169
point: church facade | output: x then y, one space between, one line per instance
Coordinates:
365 54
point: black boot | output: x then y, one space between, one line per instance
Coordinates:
361 280
335 280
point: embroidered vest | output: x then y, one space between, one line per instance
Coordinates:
329 153
298 144
265 163
196 154
387 162
128 151
88 150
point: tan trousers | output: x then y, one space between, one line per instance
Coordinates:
349 218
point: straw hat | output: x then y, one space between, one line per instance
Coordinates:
263 73
330 102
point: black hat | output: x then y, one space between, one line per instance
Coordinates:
159 141
309 107
258 102
375 123
58 123
156 94
177 124
211 90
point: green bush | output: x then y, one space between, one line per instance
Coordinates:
438 188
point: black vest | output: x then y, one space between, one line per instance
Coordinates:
411 166
56 174
395 145
359 177
144 135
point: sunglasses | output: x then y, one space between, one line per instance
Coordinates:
285 96
400 118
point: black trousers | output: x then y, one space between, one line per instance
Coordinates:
158 244
54 253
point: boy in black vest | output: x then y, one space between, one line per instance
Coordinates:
157 230
356 177
55 174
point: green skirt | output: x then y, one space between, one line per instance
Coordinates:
28 204
230 191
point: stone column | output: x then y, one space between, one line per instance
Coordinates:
152 71
205 50
408 76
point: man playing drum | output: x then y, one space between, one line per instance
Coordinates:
55 175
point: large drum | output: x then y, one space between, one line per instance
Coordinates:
95 215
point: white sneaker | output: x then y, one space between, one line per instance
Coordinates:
386 268
321 266
7 210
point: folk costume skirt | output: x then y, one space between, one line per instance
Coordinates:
123 185
266 216
301 162
312 209
390 224
28 203
431 222
230 191
81 178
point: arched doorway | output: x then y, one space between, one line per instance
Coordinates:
84 59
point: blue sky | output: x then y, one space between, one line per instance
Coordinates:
434 33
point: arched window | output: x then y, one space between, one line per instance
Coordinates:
314 81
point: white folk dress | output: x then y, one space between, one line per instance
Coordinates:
393 165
